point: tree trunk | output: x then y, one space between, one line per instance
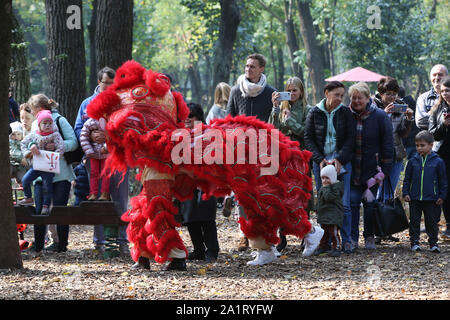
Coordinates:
19 64
92 54
9 247
230 18
291 39
66 56
314 56
114 33
196 86
280 80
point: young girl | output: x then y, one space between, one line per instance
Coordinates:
18 164
97 154
30 147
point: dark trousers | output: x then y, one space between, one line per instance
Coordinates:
446 205
331 232
60 196
204 234
432 215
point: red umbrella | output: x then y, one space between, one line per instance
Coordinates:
357 74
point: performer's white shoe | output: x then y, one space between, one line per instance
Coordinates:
312 241
262 257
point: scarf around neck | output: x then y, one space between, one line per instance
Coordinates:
250 89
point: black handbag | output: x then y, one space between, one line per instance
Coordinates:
71 156
390 216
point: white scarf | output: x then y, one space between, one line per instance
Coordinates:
251 89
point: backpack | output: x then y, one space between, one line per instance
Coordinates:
71 156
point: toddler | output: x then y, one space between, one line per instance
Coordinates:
97 154
30 146
330 211
18 163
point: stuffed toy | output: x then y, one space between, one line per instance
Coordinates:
144 122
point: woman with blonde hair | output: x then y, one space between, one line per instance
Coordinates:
61 181
219 108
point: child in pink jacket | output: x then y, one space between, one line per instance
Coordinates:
97 154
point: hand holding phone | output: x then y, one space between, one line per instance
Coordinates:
284 96
399 108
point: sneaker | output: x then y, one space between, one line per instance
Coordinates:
143 263
45 210
370 243
320 251
335 253
276 252
243 244
347 248
196 256
312 241
226 211
262 257
104 197
282 244
355 245
435 249
178 264
27 202
52 247
210 259
415 248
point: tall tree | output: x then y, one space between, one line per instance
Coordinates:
314 56
93 56
66 55
20 72
10 253
230 18
114 33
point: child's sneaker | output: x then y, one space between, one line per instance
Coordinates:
415 247
45 210
104 197
435 249
27 202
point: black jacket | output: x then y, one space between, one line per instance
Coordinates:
440 131
197 209
316 131
259 106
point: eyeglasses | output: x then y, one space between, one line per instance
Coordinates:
389 94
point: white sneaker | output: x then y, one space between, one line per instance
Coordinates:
276 252
312 241
262 257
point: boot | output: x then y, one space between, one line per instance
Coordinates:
177 264
243 244
104 197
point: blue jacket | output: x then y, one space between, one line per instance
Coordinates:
425 179
81 188
82 116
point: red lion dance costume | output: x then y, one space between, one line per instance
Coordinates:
145 122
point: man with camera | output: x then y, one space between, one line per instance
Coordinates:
426 100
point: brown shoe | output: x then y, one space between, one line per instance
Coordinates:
243 244
104 197
92 197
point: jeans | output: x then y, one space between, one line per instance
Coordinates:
356 193
394 177
346 178
60 196
119 194
47 180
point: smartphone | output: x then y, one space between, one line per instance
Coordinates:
399 108
284 96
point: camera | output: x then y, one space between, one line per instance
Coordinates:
284 96
399 108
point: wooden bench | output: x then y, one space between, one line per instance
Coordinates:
88 213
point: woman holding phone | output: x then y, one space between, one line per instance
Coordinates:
289 112
330 136
439 127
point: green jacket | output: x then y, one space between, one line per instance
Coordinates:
294 126
330 209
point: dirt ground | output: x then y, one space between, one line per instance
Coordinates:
392 272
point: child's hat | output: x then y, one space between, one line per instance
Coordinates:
16 126
330 172
44 114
